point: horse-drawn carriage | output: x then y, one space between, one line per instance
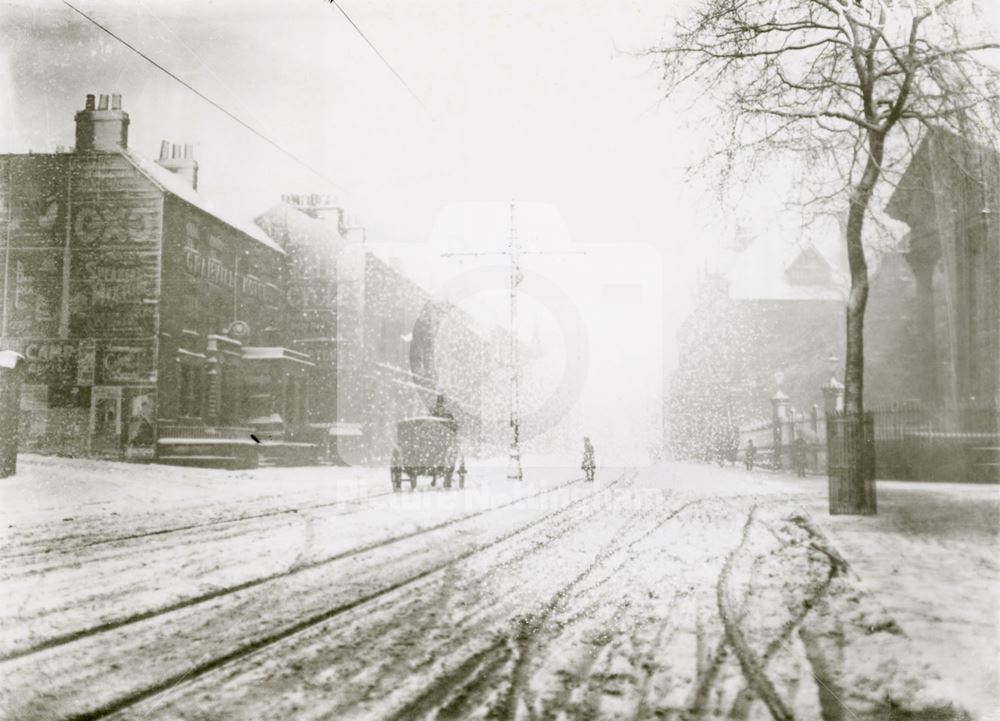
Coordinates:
427 446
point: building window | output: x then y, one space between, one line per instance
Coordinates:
192 236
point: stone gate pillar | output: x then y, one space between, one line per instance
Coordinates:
779 415
833 395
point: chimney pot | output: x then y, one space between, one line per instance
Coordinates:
179 159
101 129
116 101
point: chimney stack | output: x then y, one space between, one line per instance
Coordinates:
179 159
318 206
102 129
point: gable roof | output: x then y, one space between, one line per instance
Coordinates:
286 222
170 182
809 267
940 151
766 272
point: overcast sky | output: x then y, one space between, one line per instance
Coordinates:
540 101
549 102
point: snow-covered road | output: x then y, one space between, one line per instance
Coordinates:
640 596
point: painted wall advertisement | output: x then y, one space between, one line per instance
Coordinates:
87 361
37 201
126 364
34 292
50 360
113 293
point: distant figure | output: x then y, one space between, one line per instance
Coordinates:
800 450
749 455
441 411
588 465
461 471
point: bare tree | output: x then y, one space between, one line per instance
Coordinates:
834 81
850 86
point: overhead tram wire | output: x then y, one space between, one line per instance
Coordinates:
376 50
204 97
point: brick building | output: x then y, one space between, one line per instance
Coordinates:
144 314
383 347
156 326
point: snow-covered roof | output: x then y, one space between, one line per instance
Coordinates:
179 187
285 219
778 266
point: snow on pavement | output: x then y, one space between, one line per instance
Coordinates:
311 593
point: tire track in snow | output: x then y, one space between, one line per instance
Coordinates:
511 654
461 655
740 709
453 693
69 637
751 666
269 639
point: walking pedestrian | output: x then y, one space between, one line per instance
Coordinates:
588 465
749 455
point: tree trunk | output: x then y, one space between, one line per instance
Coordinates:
857 300
855 489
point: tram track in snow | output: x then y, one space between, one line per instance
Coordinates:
342 508
506 661
186 527
72 636
266 640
